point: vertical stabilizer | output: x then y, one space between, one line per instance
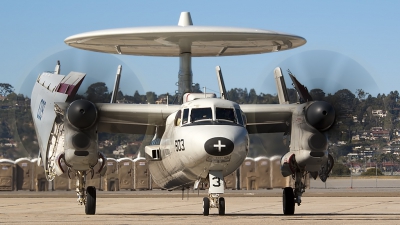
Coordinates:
221 83
281 86
116 85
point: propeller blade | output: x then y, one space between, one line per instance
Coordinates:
302 91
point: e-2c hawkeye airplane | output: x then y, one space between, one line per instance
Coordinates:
204 138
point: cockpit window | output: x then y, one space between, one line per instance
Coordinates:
244 119
185 116
239 116
177 120
226 114
198 114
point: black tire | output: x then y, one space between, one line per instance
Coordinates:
221 206
288 201
206 206
90 207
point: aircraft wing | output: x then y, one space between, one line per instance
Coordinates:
268 118
132 118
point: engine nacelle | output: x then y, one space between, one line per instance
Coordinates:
307 142
320 115
80 133
61 167
82 114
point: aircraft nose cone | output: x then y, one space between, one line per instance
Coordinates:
219 146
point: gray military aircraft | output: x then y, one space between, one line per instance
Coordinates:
204 138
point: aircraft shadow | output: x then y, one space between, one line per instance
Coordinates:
250 215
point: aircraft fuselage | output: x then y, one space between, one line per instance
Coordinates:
206 134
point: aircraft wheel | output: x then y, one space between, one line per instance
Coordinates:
206 206
221 206
90 207
288 201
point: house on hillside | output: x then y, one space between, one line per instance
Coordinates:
379 113
162 100
355 137
380 134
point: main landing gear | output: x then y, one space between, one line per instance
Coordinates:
86 196
216 188
290 197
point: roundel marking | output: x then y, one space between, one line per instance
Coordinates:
219 146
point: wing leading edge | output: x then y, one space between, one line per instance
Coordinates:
268 118
132 118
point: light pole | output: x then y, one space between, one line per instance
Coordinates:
351 171
351 176
378 157
376 173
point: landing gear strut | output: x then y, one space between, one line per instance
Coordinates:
86 196
290 197
216 188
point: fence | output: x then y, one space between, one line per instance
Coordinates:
128 174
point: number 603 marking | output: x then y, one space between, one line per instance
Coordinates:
179 145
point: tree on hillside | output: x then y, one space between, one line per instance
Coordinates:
252 97
151 97
137 98
390 102
267 99
98 93
361 94
6 89
292 93
340 170
344 99
12 97
196 88
317 94
238 95
372 172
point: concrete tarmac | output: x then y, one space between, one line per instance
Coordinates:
244 208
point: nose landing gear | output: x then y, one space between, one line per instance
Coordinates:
216 188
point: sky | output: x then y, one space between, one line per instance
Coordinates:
350 44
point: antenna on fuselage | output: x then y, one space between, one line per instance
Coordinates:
58 68
221 83
116 85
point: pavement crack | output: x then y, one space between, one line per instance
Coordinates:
361 206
